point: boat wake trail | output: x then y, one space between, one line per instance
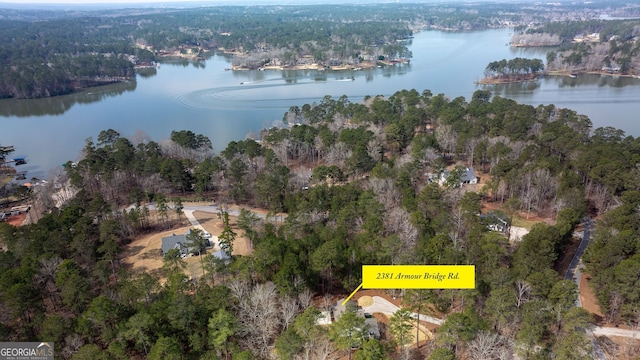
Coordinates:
238 97
260 94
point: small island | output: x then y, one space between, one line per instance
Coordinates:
513 70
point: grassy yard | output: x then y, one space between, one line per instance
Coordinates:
523 222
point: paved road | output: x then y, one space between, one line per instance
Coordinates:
574 269
211 208
573 272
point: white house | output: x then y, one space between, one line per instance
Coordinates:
468 177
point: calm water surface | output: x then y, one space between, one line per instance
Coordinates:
227 105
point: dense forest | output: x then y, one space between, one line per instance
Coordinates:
353 179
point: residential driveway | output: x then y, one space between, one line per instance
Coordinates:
516 234
212 208
192 219
608 331
382 305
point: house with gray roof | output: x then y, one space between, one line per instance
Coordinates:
175 242
180 242
338 309
468 176
221 255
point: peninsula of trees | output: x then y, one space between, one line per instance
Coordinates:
353 179
513 70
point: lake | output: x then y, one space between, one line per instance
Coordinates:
228 105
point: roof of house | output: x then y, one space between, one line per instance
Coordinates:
175 242
221 254
469 175
324 318
374 330
339 309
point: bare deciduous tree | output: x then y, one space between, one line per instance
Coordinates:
523 292
338 154
386 191
73 343
282 151
319 147
304 298
288 310
322 349
398 221
447 138
615 303
470 147
485 346
374 149
258 315
301 178
45 278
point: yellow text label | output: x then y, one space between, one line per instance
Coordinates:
418 277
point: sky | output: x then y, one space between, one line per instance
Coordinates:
99 1
45 2
64 4
22 4
111 4
133 2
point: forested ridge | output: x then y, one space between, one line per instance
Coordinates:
353 180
